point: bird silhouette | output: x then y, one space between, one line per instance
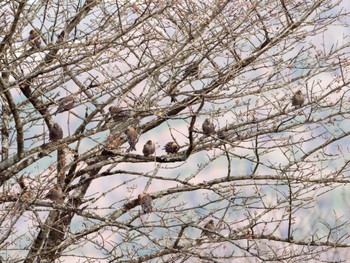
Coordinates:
298 99
208 127
56 132
148 148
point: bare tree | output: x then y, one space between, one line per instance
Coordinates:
174 131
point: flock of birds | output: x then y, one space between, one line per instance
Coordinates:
118 114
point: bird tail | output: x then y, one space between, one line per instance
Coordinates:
132 148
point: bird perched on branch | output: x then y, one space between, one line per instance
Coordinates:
66 103
208 127
173 98
55 193
192 69
114 142
118 114
133 138
149 148
171 147
33 39
145 201
56 132
209 226
222 135
298 99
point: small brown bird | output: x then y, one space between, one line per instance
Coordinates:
25 196
56 132
133 138
210 226
66 103
192 69
208 127
173 98
298 99
171 147
222 135
118 114
33 39
24 200
145 201
114 142
55 193
149 148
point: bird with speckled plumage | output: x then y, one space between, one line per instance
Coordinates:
132 137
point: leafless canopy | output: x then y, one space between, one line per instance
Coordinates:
273 178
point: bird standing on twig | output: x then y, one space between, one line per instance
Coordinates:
149 148
208 127
55 193
171 147
114 142
56 132
33 39
145 201
133 138
209 226
192 69
66 103
118 114
298 99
